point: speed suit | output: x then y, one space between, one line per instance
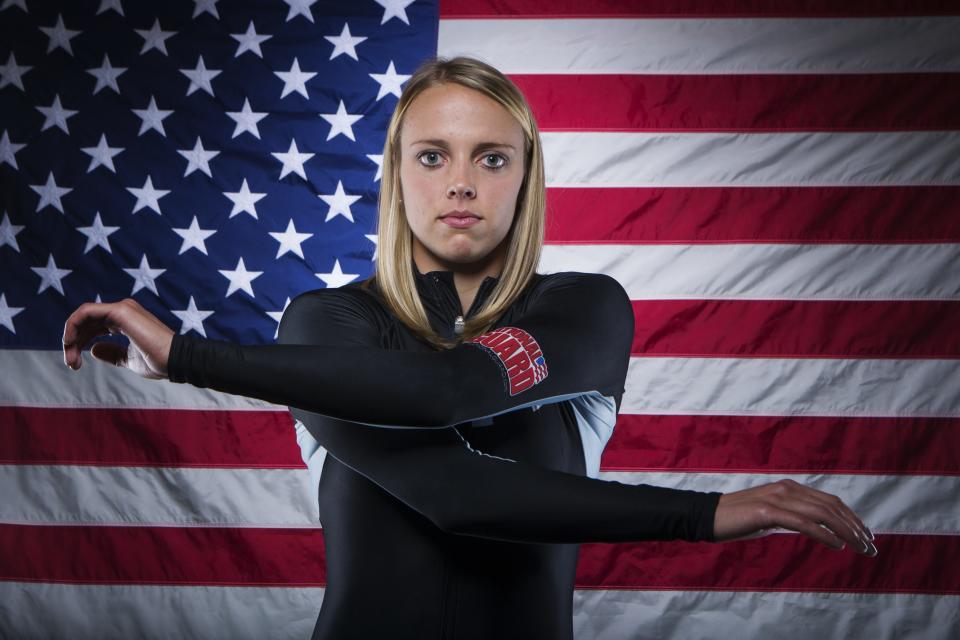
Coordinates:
457 483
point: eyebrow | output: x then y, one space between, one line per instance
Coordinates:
436 142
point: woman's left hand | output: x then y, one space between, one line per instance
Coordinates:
790 505
150 339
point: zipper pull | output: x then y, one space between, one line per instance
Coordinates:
458 326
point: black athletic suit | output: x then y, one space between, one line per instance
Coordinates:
450 524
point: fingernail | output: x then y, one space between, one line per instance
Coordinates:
870 533
873 551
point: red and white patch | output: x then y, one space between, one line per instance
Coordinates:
519 354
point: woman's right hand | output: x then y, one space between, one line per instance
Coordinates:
150 339
790 505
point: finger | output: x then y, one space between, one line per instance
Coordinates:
826 513
88 321
801 524
110 352
848 512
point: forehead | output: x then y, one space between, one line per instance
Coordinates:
455 113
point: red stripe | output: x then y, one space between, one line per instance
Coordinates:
904 564
748 214
752 103
790 444
459 9
163 555
296 558
786 329
144 437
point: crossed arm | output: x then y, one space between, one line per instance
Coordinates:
329 380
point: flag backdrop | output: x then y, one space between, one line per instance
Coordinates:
777 191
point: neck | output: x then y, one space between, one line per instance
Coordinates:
467 278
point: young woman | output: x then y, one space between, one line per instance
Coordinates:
463 398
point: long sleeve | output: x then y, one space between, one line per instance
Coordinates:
466 492
575 339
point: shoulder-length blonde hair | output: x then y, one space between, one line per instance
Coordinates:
394 275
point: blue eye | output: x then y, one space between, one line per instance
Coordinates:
494 161
429 158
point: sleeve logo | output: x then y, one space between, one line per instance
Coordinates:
519 354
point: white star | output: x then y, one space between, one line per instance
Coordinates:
395 9
106 75
56 115
339 203
152 118
240 278
14 3
244 200
50 194
294 80
390 81
8 233
337 278
345 43
200 77
249 41
300 7
192 318
206 6
247 120
8 150
290 240
11 73
143 276
7 313
102 154
341 122
198 158
376 244
193 237
59 36
147 196
276 315
293 160
107 5
378 159
50 276
155 38
97 235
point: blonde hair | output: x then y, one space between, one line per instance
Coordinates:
394 274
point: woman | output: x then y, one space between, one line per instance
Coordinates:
464 399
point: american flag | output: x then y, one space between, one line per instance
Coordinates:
775 188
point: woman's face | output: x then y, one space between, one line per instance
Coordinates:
461 167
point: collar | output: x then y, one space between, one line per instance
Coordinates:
438 292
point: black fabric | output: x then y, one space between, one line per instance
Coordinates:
442 528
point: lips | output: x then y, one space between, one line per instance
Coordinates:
460 219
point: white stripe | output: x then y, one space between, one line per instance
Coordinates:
768 271
80 612
44 381
886 504
793 387
120 612
805 159
764 386
176 496
708 46
71 495
751 615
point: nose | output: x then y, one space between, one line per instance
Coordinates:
461 190
461 184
